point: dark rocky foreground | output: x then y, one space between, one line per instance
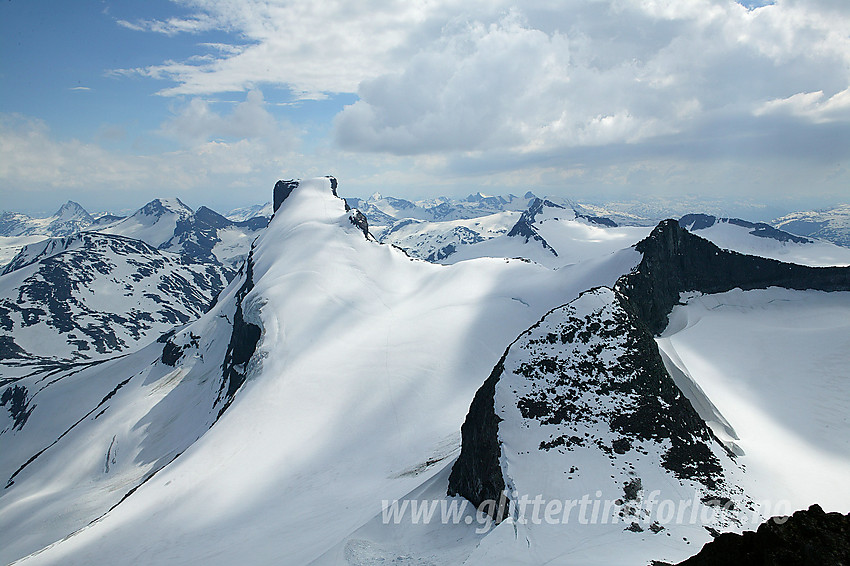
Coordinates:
807 538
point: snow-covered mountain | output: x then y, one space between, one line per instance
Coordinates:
555 235
832 224
204 236
91 295
69 219
154 223
336 378
248 212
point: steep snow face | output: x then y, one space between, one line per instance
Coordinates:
154 223
436 241
91 295
764 241
555 236
586 410
361 378
831 224
774 364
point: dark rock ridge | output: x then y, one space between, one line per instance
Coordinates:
359 219
702 221
282 190
243 344
595 380
477 473
676 261
524 227
600 220
807 538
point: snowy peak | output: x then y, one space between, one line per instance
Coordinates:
72 211
525 226
161 206
69 219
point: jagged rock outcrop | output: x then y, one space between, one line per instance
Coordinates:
676 261
806 538
477 473
243 344
283 189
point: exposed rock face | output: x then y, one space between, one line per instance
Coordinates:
243 344
807 538
676 261
283 189
359 219
477 473
600 220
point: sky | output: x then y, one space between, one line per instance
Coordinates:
114 103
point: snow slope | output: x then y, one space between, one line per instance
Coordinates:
774 363
334 373
360 382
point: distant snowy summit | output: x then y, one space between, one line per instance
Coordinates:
831 224
69 219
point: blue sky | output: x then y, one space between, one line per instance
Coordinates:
113 103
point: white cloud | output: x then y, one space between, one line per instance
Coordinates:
811 105
196 122
32 160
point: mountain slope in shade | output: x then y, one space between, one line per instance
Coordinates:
831 224
91 295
